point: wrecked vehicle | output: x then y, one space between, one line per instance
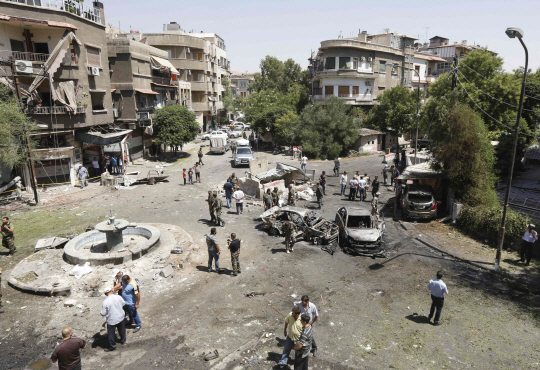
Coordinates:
419 202
311 226
360 232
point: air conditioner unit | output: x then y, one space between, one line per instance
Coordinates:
24 66
370 59
94 71
144 115
115 113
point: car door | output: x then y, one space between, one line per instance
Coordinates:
299 222
341 217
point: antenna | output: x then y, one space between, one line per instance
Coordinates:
427 28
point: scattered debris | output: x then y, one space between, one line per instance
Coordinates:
70 303
80 270
50 243
212 357
253 294
177 249
167 271
278 311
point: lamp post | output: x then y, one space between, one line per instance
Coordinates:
417 116
512 32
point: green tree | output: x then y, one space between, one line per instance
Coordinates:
462 150
174 125
286 128
326 131
14 126
228 99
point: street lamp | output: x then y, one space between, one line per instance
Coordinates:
417 116
512 32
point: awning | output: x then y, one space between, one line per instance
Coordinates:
98 138
151 92
36 22
171 86
160 63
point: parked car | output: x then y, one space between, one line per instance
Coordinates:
242 156
360 232
247 126
219 144
214 133
237 132
419 202
311 226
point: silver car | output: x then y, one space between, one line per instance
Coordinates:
242 156
360 232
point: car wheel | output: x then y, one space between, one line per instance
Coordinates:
273 231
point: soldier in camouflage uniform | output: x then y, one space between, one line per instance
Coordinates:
375 205
233 180
217 208
210 201
267 199
1 311
8 240
234 247
275 197
289 230
291 199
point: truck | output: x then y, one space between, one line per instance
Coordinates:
219 144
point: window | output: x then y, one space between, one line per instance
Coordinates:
355 90
17 45
429 71
330 63
200 77
345 63
143 100
382 67
98 98
417 69
41 48
329 90
200 56
355 63
93 56
343 91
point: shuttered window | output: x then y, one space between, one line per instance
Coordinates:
93 56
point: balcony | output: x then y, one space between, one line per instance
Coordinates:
197 65
344 73
20 55
348 98
198 86
163 81
200 106
80 9
61 109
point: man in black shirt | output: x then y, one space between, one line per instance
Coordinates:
234 247
375 187
68 352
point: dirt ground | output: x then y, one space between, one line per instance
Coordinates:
372 312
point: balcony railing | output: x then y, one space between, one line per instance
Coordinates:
357 97
21 55
162 80
70 6
55 110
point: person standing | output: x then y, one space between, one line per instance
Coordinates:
275 197
234 246
8 238
200 155
362 189
385 173
336 166
392 174
210 201
319 193
1 307
267 199
197 172
375 205
291 197
289 231
120 161
109 164
343 182
322 182
114 165
233 180
213 249
104 164
291 331
309 309
229 190
184 175
132 297
68 353
95 167
238 195
438 290
190 176
217 209
529 238
113 309
303 163
304 345
353 184
82 172
375 184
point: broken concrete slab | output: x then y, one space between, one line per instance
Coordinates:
167 271
70 303
50 243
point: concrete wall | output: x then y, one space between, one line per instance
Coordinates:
258 165
369 143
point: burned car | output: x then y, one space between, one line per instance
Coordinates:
360 232
311 226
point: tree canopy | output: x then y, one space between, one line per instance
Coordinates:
174 125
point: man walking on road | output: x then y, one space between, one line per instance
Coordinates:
132 297
319 193
238 195
303 164
291 331
311 310
275 197
343 183
68 353
8 238
217 209
113 309
385 173
200 154
229 190
213 249
289 231
529 238
233 180
234 246
375 187
267 200
304 345
210 201
291 197
82 172
438 290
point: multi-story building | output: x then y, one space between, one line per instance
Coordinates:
201 59
424 70
142 79
58 51
240 84
359 69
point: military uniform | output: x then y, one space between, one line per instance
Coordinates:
1 291
275 198
267 200
217 208
8 240
233 180
289 230
210 201
375 207
200 156
291 200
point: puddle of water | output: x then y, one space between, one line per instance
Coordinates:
42 364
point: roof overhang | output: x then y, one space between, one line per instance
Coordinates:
36 22
150 92
98 138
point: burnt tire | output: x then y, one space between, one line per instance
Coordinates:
273 232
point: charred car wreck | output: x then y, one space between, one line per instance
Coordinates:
360 232
310 225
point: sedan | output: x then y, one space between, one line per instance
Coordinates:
360 232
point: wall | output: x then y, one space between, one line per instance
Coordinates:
258 165
369 143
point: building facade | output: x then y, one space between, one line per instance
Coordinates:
359 69
240 84
201 59
424 71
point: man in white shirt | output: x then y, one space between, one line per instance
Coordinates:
238 195
113 308
343 183
353 184
303 164
438 290
95 167
529 238
308 308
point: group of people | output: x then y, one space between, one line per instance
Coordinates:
111 164
188 176
359 186
214 251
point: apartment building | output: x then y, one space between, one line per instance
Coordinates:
424 71
201 59
58 51
359 69
142 80
240 84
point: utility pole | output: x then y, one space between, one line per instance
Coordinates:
26 135
454 71
417 117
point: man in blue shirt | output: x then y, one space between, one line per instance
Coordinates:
82 172
132 296
229 190
438 290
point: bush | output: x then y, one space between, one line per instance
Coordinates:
485 222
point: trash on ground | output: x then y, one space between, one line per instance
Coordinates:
80 270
